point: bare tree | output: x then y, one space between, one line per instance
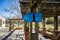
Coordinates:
13 8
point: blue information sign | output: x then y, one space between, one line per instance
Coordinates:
28 17
38 17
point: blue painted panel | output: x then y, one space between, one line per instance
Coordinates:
28 17
38 17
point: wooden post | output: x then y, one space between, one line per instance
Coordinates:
31 31
44 22
36 27
55 33
10 26
18 24
35 36
36 30
26 29
56 23
44 29
30 10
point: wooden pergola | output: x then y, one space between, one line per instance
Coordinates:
49 8
11 22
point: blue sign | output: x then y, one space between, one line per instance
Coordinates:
28 17
38 17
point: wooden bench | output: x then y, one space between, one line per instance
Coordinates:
49 34
53 35
40 30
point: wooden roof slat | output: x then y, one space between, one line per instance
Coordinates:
49 8
50 2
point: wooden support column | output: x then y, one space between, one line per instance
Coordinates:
30 10
36 27
44 22
13 24
56 23
10 26
36 30
31 31
55 33
35 36
44 29
26 29
18 24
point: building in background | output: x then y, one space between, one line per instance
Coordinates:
2 22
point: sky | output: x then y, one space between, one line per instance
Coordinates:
8 7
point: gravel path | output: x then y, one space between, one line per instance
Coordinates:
17 35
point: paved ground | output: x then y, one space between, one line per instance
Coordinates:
19 35
3 33
41 37
16 35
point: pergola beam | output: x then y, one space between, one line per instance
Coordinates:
54 2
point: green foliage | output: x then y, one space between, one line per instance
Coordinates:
7 25
50 29
50 20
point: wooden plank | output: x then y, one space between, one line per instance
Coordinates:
49 1
49 34
43 22
10 26
49 8
36 30
55 33
31 31
26 30
43 29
